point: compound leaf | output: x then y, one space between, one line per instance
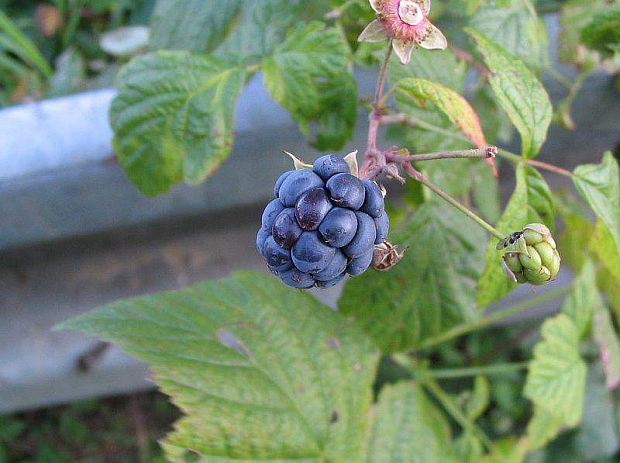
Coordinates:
519 93
407 426
262 372
194 25
430 290
557 374
173 118
599 186
453 105
582 300
307 74
515 26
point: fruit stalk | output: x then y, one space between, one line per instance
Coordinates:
417 176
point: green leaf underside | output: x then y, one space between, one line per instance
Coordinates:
262 372
519 93
307 75
599 186
430 290
603 246
542 428
557 374
608 344
174 118
530 202
194 25
407 427
582 300
447 101
515 26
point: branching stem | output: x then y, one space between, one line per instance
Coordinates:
417 176
493 317
483 153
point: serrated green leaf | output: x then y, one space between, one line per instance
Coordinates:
173 118
608 344
515 26
599 186
542 428
307 75
519 93
530 202
507 450
583 299
453 105
602 245
557 374
574 16
442 68
407 427
602 34
430 290
577 233
263 372
597 435
261 27
194 25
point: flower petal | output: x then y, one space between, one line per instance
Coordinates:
426 7
403 49
374 5
374 32
434 40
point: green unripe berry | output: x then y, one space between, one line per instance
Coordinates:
533 261
532 237
537 277
513 263
530 256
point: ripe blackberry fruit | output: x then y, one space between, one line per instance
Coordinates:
322 225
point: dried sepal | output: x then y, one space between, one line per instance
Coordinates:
298 163
386 256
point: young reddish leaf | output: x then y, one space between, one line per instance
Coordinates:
453 105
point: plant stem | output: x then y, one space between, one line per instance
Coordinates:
454 410
532 162
494 369
493 317
426 378
373 160
482 153
414 122
416 175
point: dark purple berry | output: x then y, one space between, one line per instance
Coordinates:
311 208
339 227
281 178
337 266
382 224
330 283
296 184
310 254
270 213
360 264
373 200
346 190
285 229
261 237
329 165
297 279
364 238
278 258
